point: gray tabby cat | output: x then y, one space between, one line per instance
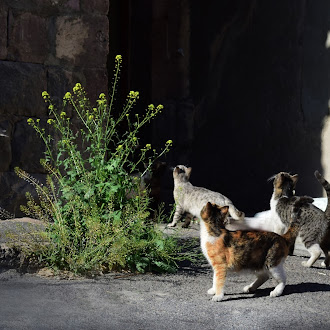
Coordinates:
191 199
325 243
313 221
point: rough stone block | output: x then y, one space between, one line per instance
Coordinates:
27 147
5 145
73 4
59 81
13 189
96 82
21 85
44 8
3 29
95 6
82 41
28 38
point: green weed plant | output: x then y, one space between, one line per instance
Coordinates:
95 207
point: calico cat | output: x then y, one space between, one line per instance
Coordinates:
191 199
313 221
263 252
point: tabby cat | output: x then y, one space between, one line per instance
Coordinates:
191 199
325 243
313 221
261 251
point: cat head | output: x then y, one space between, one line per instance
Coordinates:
215 214
284 184
182 173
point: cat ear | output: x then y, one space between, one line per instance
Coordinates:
188 172
206 211
209 206
224 209
294 178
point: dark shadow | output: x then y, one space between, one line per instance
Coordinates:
260 95
319 268
305 287
289 289
237 298
193 269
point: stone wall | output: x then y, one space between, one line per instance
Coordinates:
44 45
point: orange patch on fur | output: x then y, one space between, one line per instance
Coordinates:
219 254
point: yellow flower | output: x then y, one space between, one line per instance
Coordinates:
133 95
168 142
148 146
63 114
102 96
118 58
45 96
67 96
119 147
30 121
91 117
76 88
50 121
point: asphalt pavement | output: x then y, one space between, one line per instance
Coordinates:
167 301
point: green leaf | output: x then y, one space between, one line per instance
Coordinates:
89 193
116 216
160 244
165 267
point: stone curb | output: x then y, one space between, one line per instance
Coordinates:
12 232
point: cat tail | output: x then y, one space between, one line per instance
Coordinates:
326 187
248 224
235 213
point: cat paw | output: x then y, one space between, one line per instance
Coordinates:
211 291
171 225
278 290
275 293
324 265
218 297
248 289
305 264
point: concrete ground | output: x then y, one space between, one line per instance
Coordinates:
169 301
